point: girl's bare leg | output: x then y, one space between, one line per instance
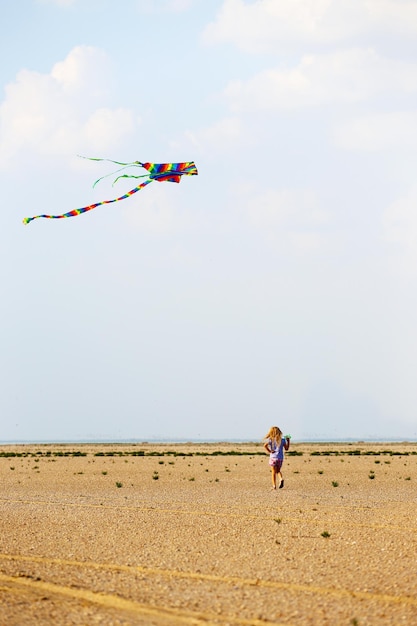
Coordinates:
274 477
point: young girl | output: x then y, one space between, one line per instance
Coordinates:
275 445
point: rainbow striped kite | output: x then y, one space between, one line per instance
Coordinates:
170 172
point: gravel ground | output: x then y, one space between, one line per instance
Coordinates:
193 534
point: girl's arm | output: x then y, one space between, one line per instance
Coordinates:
266 446
287 443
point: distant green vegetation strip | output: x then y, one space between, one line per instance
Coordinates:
197 453
47 454
361 453
178 453
120 453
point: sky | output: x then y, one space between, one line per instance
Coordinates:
277 287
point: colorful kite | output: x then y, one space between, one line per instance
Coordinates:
170 172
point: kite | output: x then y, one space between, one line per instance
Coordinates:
170 172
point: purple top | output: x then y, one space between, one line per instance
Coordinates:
277 450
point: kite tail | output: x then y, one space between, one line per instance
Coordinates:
74 212
122 176
125 167
109 160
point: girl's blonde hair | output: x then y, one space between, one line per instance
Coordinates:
275 434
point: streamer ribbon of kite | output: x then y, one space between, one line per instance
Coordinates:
161 172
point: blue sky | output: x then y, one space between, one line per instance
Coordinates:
277 287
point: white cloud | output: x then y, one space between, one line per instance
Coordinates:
380 131
270 25
226 134
395 15
290 218
155 210
84 70
105 126
348 76
283 207
151 210
400 226
50 113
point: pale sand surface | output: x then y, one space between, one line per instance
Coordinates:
208 542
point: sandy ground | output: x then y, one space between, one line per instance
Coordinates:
182 535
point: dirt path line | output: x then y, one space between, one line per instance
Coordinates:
250 582
110 601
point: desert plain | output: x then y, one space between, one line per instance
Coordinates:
167 534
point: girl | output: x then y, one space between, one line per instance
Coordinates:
275 445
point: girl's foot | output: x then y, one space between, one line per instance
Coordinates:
281 484
273 488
